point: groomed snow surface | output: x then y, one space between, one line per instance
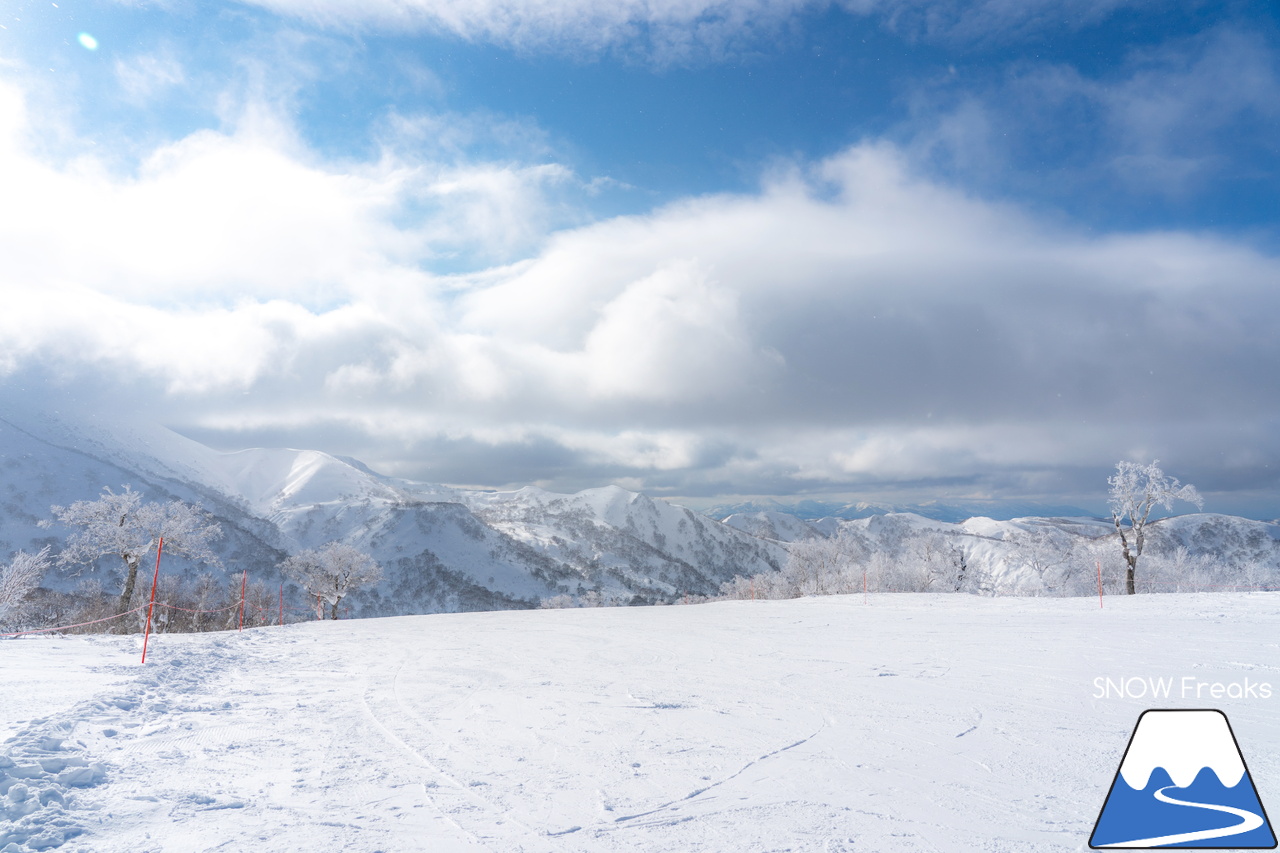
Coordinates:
908 723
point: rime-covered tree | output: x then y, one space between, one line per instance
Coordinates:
124 525
819 565
332 571
1136 490
20 577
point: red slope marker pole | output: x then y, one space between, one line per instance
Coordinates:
244 580
864 586
1099 562
152 606
281 622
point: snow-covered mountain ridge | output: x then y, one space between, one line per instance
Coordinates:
812 510
1200 551
447 549
443 549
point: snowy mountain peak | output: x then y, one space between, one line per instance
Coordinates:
270 478
611 502
442 548
1183 743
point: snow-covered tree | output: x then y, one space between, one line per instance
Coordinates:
126 526
1136 490
20 577
332 571
823 565
929 561
1046 553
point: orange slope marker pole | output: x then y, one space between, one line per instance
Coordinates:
244 581
152 605
1099 563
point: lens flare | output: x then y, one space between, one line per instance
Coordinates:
88 41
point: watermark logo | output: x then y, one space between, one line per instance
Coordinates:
1183 783
1186 687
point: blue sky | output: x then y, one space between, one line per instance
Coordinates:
879 249
1014 102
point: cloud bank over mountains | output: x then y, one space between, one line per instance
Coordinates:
862 323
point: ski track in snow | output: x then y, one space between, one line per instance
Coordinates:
914 723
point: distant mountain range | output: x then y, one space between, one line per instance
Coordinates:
952 512
446 549
443 549
1045 555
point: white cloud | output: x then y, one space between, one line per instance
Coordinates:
671 335
147 75
210 215
666 30
652 450
989 20
503 208
1168 120
684 30
1182 97
850 322
217 215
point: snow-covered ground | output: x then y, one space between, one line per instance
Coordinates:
909 723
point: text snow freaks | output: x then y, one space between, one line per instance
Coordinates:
1186 687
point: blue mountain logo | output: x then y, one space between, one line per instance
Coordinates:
1183 783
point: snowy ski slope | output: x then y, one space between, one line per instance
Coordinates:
908 723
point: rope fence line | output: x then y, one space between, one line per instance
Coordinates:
188 610
308 611
290 611
77 625
249 605
1145 586
242 605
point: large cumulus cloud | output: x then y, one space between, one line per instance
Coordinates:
849 326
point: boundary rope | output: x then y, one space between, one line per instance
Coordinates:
77 625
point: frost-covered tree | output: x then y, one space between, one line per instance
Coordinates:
20 577
930 561
1136 490
332 571
822 565
126 526
1046 554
